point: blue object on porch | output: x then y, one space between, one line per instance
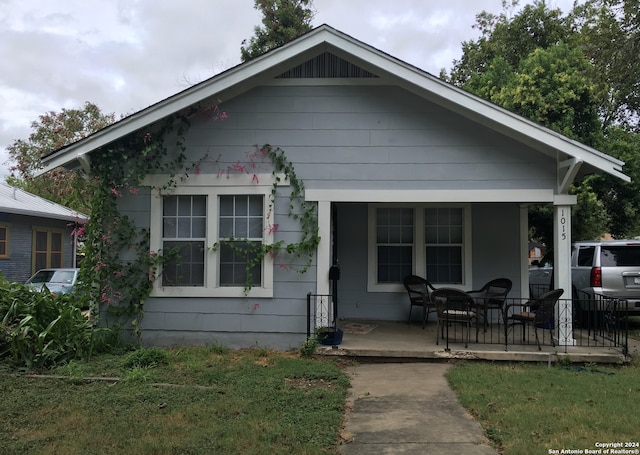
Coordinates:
330 336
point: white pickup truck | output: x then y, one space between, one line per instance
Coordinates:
610 268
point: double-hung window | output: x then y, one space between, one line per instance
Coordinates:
394 243
429 240
184 235
211 232
240 239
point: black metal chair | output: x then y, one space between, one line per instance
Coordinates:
419 290
454 307
539 313
492 296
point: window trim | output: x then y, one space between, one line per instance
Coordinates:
419 244
213 186
48 231
5 241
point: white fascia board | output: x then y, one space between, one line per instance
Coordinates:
444 196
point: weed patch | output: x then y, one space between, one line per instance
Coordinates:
199 400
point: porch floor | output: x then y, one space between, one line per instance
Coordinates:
399 341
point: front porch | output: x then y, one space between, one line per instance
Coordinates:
374 340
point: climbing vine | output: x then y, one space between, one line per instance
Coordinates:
298 209
119 269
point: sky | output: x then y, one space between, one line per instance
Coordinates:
124 55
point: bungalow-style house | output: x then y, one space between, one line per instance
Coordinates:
407 174
34 234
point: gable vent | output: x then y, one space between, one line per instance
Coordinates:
326 65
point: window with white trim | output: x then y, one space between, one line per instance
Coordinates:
444 244
210 229
184 235
394 243
430 240
240 236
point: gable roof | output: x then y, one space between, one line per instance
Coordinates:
19 202
573 158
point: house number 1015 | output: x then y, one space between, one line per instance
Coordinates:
563 224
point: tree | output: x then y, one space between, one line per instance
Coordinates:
610 38
50 132
544 66
283 20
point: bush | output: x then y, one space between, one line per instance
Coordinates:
39 329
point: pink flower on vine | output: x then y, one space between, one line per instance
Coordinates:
117 274
237 167
273 228
134 190
255 180
256 306
115 192
100 265
197 170
147 137
223 115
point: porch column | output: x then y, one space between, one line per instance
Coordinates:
323 255
562 266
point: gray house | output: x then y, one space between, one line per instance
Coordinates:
34 234
408 174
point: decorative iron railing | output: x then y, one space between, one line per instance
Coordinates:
320 312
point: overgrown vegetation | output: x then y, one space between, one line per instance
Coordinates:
39 329
531 408
201 400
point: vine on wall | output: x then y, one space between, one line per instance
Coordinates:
298 210
119 269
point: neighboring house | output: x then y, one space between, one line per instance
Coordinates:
408 173
536 251
34 234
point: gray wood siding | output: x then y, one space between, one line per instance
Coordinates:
357 137
344 138
495 246
17 266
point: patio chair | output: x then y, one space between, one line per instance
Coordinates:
539 313
492 296
419 290
454 307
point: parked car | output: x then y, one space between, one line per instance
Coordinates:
57 281
610 268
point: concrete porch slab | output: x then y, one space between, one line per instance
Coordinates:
399 341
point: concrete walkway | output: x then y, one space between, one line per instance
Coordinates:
408 408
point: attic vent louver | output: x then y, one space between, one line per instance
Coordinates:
326 65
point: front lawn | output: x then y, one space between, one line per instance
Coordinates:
177 401
535 409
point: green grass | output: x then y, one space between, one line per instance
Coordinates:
201 400
533 408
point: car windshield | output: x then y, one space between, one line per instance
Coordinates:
53 276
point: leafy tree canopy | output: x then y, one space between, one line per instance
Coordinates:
50 132
550 68
282 21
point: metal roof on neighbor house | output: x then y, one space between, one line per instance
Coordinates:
20 202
